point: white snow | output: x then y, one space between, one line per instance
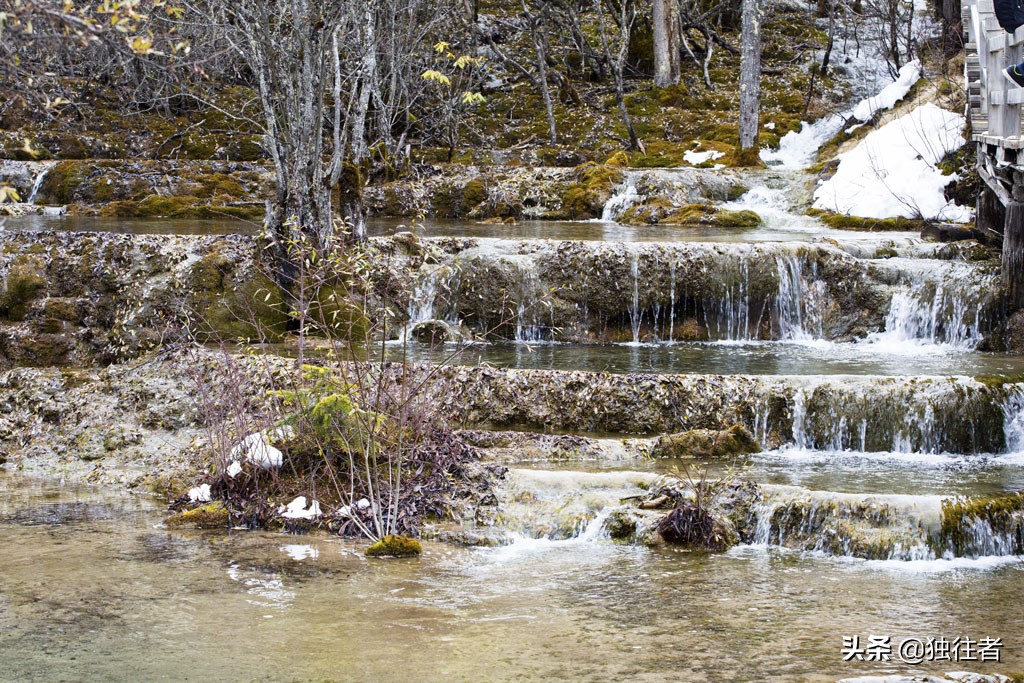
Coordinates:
297 509
234 469
255 449
798 149
697 158
892 171
891 94
200 494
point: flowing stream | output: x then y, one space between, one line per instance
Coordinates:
858 360
94 589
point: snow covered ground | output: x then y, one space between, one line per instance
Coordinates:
892 172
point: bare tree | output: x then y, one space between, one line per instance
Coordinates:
667 39
750 80
626 14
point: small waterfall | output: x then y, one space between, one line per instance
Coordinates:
947 305
800 419
881 527
800 302
528 302
635 314
37 186
1013 420
728 312
624 198
423 297
927 416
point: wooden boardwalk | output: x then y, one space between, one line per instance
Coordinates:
995 114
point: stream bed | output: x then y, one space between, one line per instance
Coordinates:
93 588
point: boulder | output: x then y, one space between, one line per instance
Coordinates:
707 443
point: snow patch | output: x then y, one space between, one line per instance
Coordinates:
798 149
892 172
891 94
200 494
255 449
297 509
698 158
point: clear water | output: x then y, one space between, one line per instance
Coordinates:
94 589
754 358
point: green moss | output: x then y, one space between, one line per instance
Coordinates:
226 309
617 160
210 516
25 280
337 315
473 193
846 222
395 546
61 182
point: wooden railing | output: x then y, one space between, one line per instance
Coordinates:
995 103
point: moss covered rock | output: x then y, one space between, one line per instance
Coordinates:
209 516
707 443
25 281
395 546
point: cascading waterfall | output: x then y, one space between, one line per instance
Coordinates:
37 186
624 198
528 302
635 315
949 307
423 297
562 506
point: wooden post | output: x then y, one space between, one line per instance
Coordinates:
1013 255
990 216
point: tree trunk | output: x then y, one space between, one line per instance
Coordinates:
666 42
750 81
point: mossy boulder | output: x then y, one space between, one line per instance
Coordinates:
62 181
595 185
229 305
25 281
395 546
209 516
707 443
337 315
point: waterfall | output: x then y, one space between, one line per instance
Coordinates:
635 315
528 302
945 304
423 297
1013 420
800 419
625 197
944 318
37 186
800 302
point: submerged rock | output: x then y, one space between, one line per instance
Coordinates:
707 443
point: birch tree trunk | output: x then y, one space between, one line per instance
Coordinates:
750 81
666 42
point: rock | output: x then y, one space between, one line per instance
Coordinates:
949 232
210 516
395 546
707 443
437 332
